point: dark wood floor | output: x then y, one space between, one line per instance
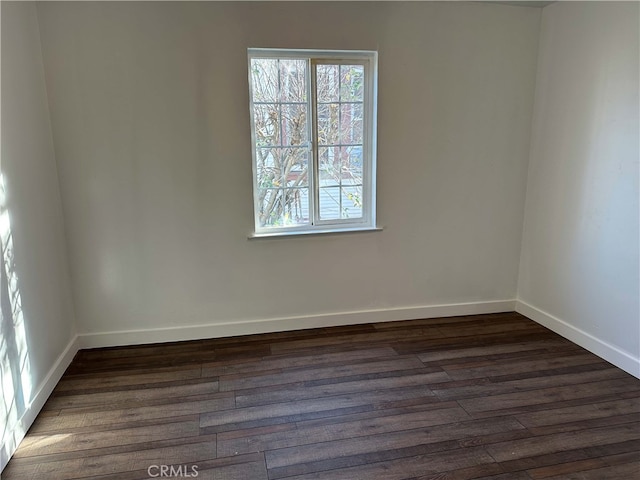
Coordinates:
490 396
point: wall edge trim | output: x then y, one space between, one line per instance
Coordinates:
43 391
595 345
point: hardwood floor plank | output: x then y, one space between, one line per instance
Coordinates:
501 358
467 473
424 405
529 447
123 364
625 471
481 351
84 382
303 391
393 440
117 449
489 387
568 455
417 345
302 361
78 442
108 464
312 405
510 366
507 476
242 381
111 417
586 424
383 410
403 468
567 468
100 355
149 393
378 338
508 403
303 435
579 413
284 419
500 327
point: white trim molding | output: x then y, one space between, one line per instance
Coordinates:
41 396
248 327
608 352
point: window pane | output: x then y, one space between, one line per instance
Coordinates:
295 163
269 167
351 123
293 80
352 202
329 203
296 207
270 206
284 207
327 83
294 125
351 161
267 124
328 121
329 166
264 78
351 83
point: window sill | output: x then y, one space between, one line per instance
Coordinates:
319 231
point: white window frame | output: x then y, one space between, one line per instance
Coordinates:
369 60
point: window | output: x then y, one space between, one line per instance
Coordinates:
313 117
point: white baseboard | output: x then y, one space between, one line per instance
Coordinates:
608 352
39 399
247 327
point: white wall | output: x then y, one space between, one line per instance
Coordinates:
149 108
36 226
579 269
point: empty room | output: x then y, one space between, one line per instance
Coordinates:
320 240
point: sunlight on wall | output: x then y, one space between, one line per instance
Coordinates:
15 371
